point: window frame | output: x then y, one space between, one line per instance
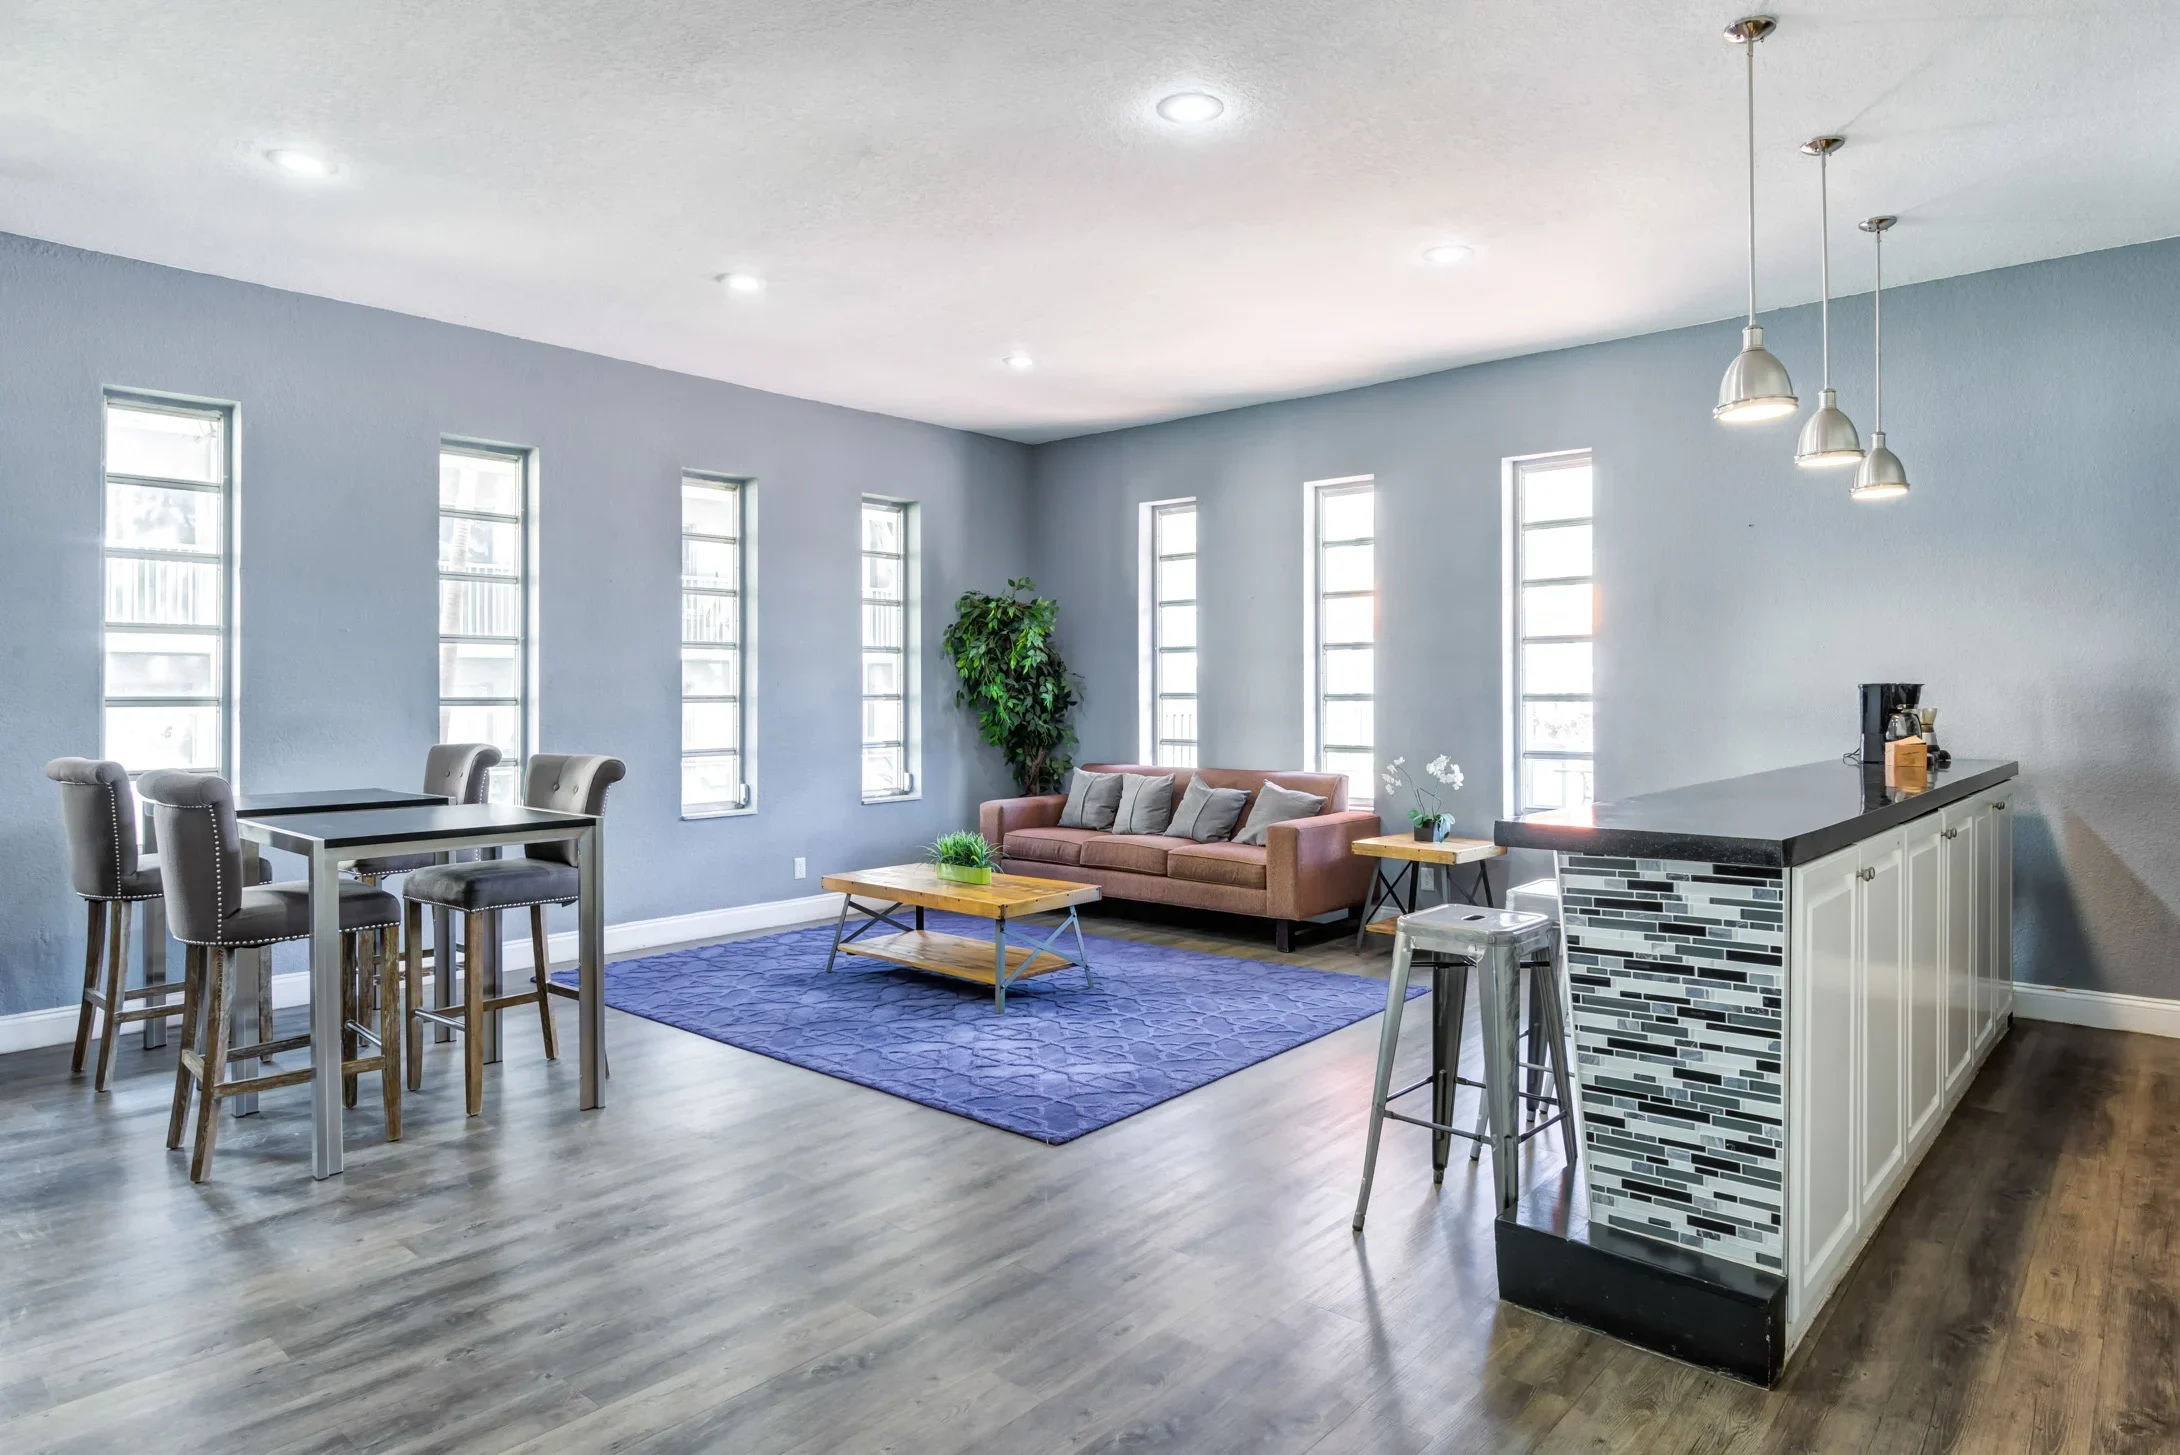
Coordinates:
744 491
1152 648
910 649
1361 788
1517 470
227 413
526 724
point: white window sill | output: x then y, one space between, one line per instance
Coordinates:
749 812
915 797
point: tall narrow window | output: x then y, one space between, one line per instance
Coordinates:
486 664
714 628
1171 586
169 644
1553 610
889 650
1344 620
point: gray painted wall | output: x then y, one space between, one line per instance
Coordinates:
342 410
2031 580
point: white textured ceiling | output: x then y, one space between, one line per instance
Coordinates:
928 186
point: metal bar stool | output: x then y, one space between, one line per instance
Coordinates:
215 915
1496 942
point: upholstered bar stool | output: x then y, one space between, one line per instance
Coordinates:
106 868
480 892
1496 943
213 914
461 772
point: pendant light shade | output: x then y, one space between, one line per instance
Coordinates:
1756 387
1882 476
1828 440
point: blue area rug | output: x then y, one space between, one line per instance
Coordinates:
1062 1061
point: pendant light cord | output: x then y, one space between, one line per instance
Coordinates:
1877 335
1751 45
1824 255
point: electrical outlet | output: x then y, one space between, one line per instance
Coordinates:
802 867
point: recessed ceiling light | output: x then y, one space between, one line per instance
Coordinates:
743 282
1190 107
301 164
1019 361
1447 254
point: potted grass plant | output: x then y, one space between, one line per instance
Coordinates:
963 858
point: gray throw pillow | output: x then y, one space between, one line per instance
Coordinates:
1276 805
1092 801
1207 814
1146 804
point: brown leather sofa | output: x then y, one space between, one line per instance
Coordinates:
1303 870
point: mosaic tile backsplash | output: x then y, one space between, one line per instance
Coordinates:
1677 973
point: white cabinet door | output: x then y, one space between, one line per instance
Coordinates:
1881 1012
1958 839
1924 946
1821 992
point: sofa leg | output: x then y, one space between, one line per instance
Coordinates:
1283 936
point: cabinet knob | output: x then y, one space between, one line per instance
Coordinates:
1999 807
1869 874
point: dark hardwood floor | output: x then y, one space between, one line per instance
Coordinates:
738 1255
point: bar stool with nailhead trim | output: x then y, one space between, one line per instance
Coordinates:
213 914
106 867
545 874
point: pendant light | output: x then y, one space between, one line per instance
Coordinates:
1756 387
1828 441
1882 476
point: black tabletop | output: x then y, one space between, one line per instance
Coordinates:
369 828
331 800
1782 818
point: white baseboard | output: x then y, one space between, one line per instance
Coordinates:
2103 1009
27 1030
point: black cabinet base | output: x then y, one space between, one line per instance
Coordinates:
1677 1302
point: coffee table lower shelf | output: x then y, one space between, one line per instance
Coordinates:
958 956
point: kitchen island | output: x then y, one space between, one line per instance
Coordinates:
1779 987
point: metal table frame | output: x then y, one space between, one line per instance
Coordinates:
326 855
1387 888
1000 978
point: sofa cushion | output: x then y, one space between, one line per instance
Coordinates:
1207 814
1049 846
1136 853
1146 804
1237 866
1092 801
1275 804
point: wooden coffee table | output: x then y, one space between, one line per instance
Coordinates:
1401 859
959 957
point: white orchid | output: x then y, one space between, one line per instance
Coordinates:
1429 808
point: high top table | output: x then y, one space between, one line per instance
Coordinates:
327 840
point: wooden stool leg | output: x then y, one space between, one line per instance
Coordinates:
473 932
349 971
94 953
117 969
192 1000
412 1028
389 1028
541 972
219 976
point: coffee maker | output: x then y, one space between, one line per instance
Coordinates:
1888 712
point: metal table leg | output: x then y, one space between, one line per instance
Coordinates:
325 1014
999 965
489 1032
155 968
590 938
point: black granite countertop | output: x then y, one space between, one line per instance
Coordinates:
1779 819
